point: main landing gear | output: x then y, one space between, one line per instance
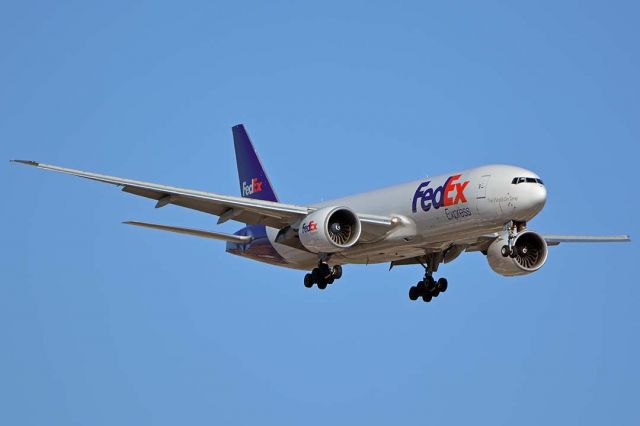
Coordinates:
323 275
429 288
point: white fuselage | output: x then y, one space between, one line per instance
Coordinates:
435 213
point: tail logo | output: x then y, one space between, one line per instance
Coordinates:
252 187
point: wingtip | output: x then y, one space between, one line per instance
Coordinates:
27 162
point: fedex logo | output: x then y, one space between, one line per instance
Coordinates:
449 194
252 187
310 227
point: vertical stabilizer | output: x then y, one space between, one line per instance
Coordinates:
254 182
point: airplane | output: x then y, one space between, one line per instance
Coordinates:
427 222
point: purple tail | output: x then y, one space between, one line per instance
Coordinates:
254 182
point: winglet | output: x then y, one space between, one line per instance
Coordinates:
254 182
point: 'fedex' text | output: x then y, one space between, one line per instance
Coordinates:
252 187
449 194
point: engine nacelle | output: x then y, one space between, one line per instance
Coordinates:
530 253
329 230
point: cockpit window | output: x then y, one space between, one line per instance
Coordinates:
517 180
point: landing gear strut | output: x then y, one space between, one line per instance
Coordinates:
429 288
323 275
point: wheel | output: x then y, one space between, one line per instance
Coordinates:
413 293
337 272
330 280
308 281
513 253
430 282
426 298
421 287
504 251
435 293
322 284
315 275
442 285
324 270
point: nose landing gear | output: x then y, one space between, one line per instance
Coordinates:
512 228
323 275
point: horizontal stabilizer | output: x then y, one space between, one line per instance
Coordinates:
240 239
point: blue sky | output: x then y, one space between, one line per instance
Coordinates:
104 324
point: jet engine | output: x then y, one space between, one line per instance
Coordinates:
329 230
529 253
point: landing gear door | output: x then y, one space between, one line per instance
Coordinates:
481 197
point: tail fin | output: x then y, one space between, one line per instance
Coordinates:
254 182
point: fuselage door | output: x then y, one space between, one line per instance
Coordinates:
482 186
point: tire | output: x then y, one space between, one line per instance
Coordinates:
330 280
435 293
426 298
504 251
308 281
315 274
413 293
322 284
336 271
324 270
430 283
443 285
421 287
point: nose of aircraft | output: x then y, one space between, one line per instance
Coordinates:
539 196
534 199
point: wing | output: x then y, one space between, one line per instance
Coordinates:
246 210
554 240
483 242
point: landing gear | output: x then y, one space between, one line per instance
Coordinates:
512 228
429 288
323 275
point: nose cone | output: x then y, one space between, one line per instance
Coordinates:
539 197
533 199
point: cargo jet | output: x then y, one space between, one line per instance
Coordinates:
427 222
